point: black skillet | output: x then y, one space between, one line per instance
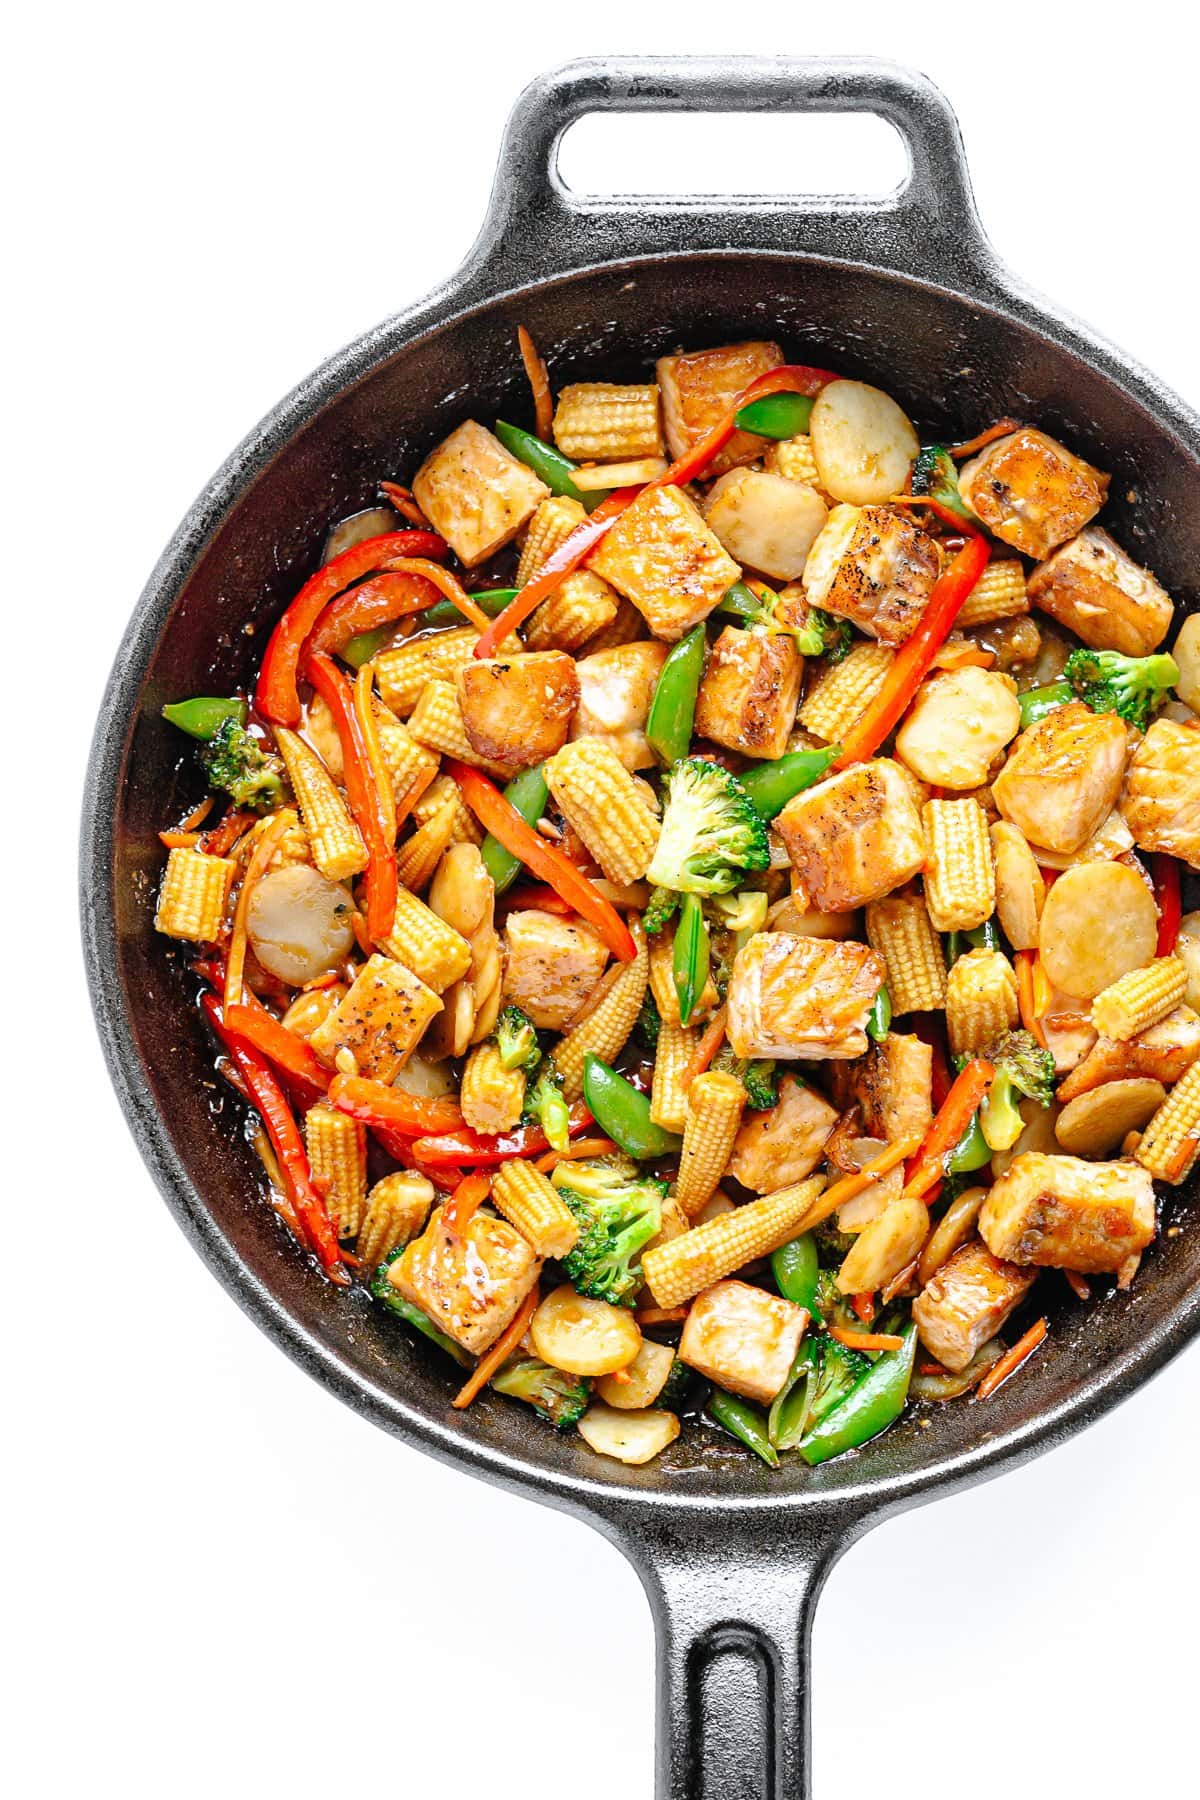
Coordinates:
904 291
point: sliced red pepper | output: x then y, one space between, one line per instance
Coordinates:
952 1120
471 1149
791 378
390 1109
537 895
284 1133
284 1047
911 662
1164 872
501 818
277 696
380 601
465 1201
371 811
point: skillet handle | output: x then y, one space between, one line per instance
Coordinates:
537 227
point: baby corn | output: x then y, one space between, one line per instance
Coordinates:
981 1000
578 608
998 594
550 526
679 1269
1140 999
337 1155
841 693
900 929
536 1209
442 789
492 1097
606 806
960 874
711 1119
397 1208
672 1058
603 421
337 846
193 896
605 1031
1170 1145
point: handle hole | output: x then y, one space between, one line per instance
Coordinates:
732 153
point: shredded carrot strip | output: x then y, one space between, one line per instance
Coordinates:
952 1119
621 1376
1011 1361
539 381
866 1340
199 813
256 868
1001 428
590 1146
503 1347
401 498
963 655
661 1315
446 583
706 1049
364 709
864 1307
1026 1001
1077 1284
465 1202
178 840
850 1185
221 839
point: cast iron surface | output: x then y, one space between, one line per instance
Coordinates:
904 291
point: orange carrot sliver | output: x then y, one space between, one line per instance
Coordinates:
503 1347
850 1185
866 1340
661 1315
539 381
178 840
1025 960
593 1146
952 1120
706 1049
446 583
1011 1361
260 858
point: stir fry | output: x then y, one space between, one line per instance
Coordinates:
693 905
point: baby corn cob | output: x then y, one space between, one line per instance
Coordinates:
840 695
793 458
337 1155
379 1021
337 846
550 526
711 1120
899 929
492 1096
403 671
602 421
981 1000
433 950
603 803
536 1209
606 1030
677 1270
626 628
578 608
998 594
1140 999
672 1058
397 1208
419 855
1170 1145
437 720
411 765
192 898
960 875
442 789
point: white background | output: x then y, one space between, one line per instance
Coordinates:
220 1581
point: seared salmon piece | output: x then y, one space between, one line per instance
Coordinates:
476 494
1063 776
1064 1213
966 1302
776 1148
663 558
469 1283
517 710
1093 588
743 1338
1161 802
750 691
698 389
550 966
874 566
1031 491
855 836
1163 1053
893 1087
616 687
801 997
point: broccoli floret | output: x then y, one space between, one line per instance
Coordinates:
649 1022
552 1393
742 912
760 1079
545 1106
1023 1068
237 763
824 634
619 1210
710 834
662 905
516 1040
935 475
1133 687
838 1368
677 1388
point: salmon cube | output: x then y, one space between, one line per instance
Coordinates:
380 1020
966 1302
551 966
1031 491
855 836
742 1338
750 691
470 1283
807 997
776 1148
699 388
662 556
1161 803
616 687
893 1088
1162 1052
1061 1212
874 566
1062 777
1093 588
517 710
475 494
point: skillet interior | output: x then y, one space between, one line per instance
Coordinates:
954 366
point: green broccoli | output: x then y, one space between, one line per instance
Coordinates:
745 911
760 1079
552 1393
1133 687
836 1369
237 763
390 1297
935 475
649 1022
516 1040
619 1210
660 909
677 1389
710 834
824 634
1023 1068
545 1106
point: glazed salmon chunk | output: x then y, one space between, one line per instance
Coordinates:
966 1303
742 1338
1031 491
475 493
517 710
747 699
1063 776
784 1144
801 997
854 837
550 965
616 687
469 1283
1065 1213
697 390
1161 802
663 557
1093 588
876 568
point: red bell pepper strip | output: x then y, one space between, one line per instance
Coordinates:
470 1149
465 1201
791 378
911 662
1164 871
390 1109
284 1048
952 1120
501 818
268 1099
535 894
372 812
277 696
380 601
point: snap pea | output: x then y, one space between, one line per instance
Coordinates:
741 601
972 1150
1036 702
364 645
880 1016
412 1315
795 1268
622 1113
874 1402
771 785
777 415
528 793
690 956
790 1409
203 717
548 464
744 1422
981 937
673 708
492 601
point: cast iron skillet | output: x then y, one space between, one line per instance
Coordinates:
904 291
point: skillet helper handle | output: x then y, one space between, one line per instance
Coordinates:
537 227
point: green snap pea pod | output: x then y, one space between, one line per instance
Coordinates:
622 1113
745 1422
203 717
771 785
972 1150
790 1409
1035 703
880 1016
548 464
795 1268
981 937
673 708
777 415
364 645
492 601
691 956
874 1402
741 602
528 793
